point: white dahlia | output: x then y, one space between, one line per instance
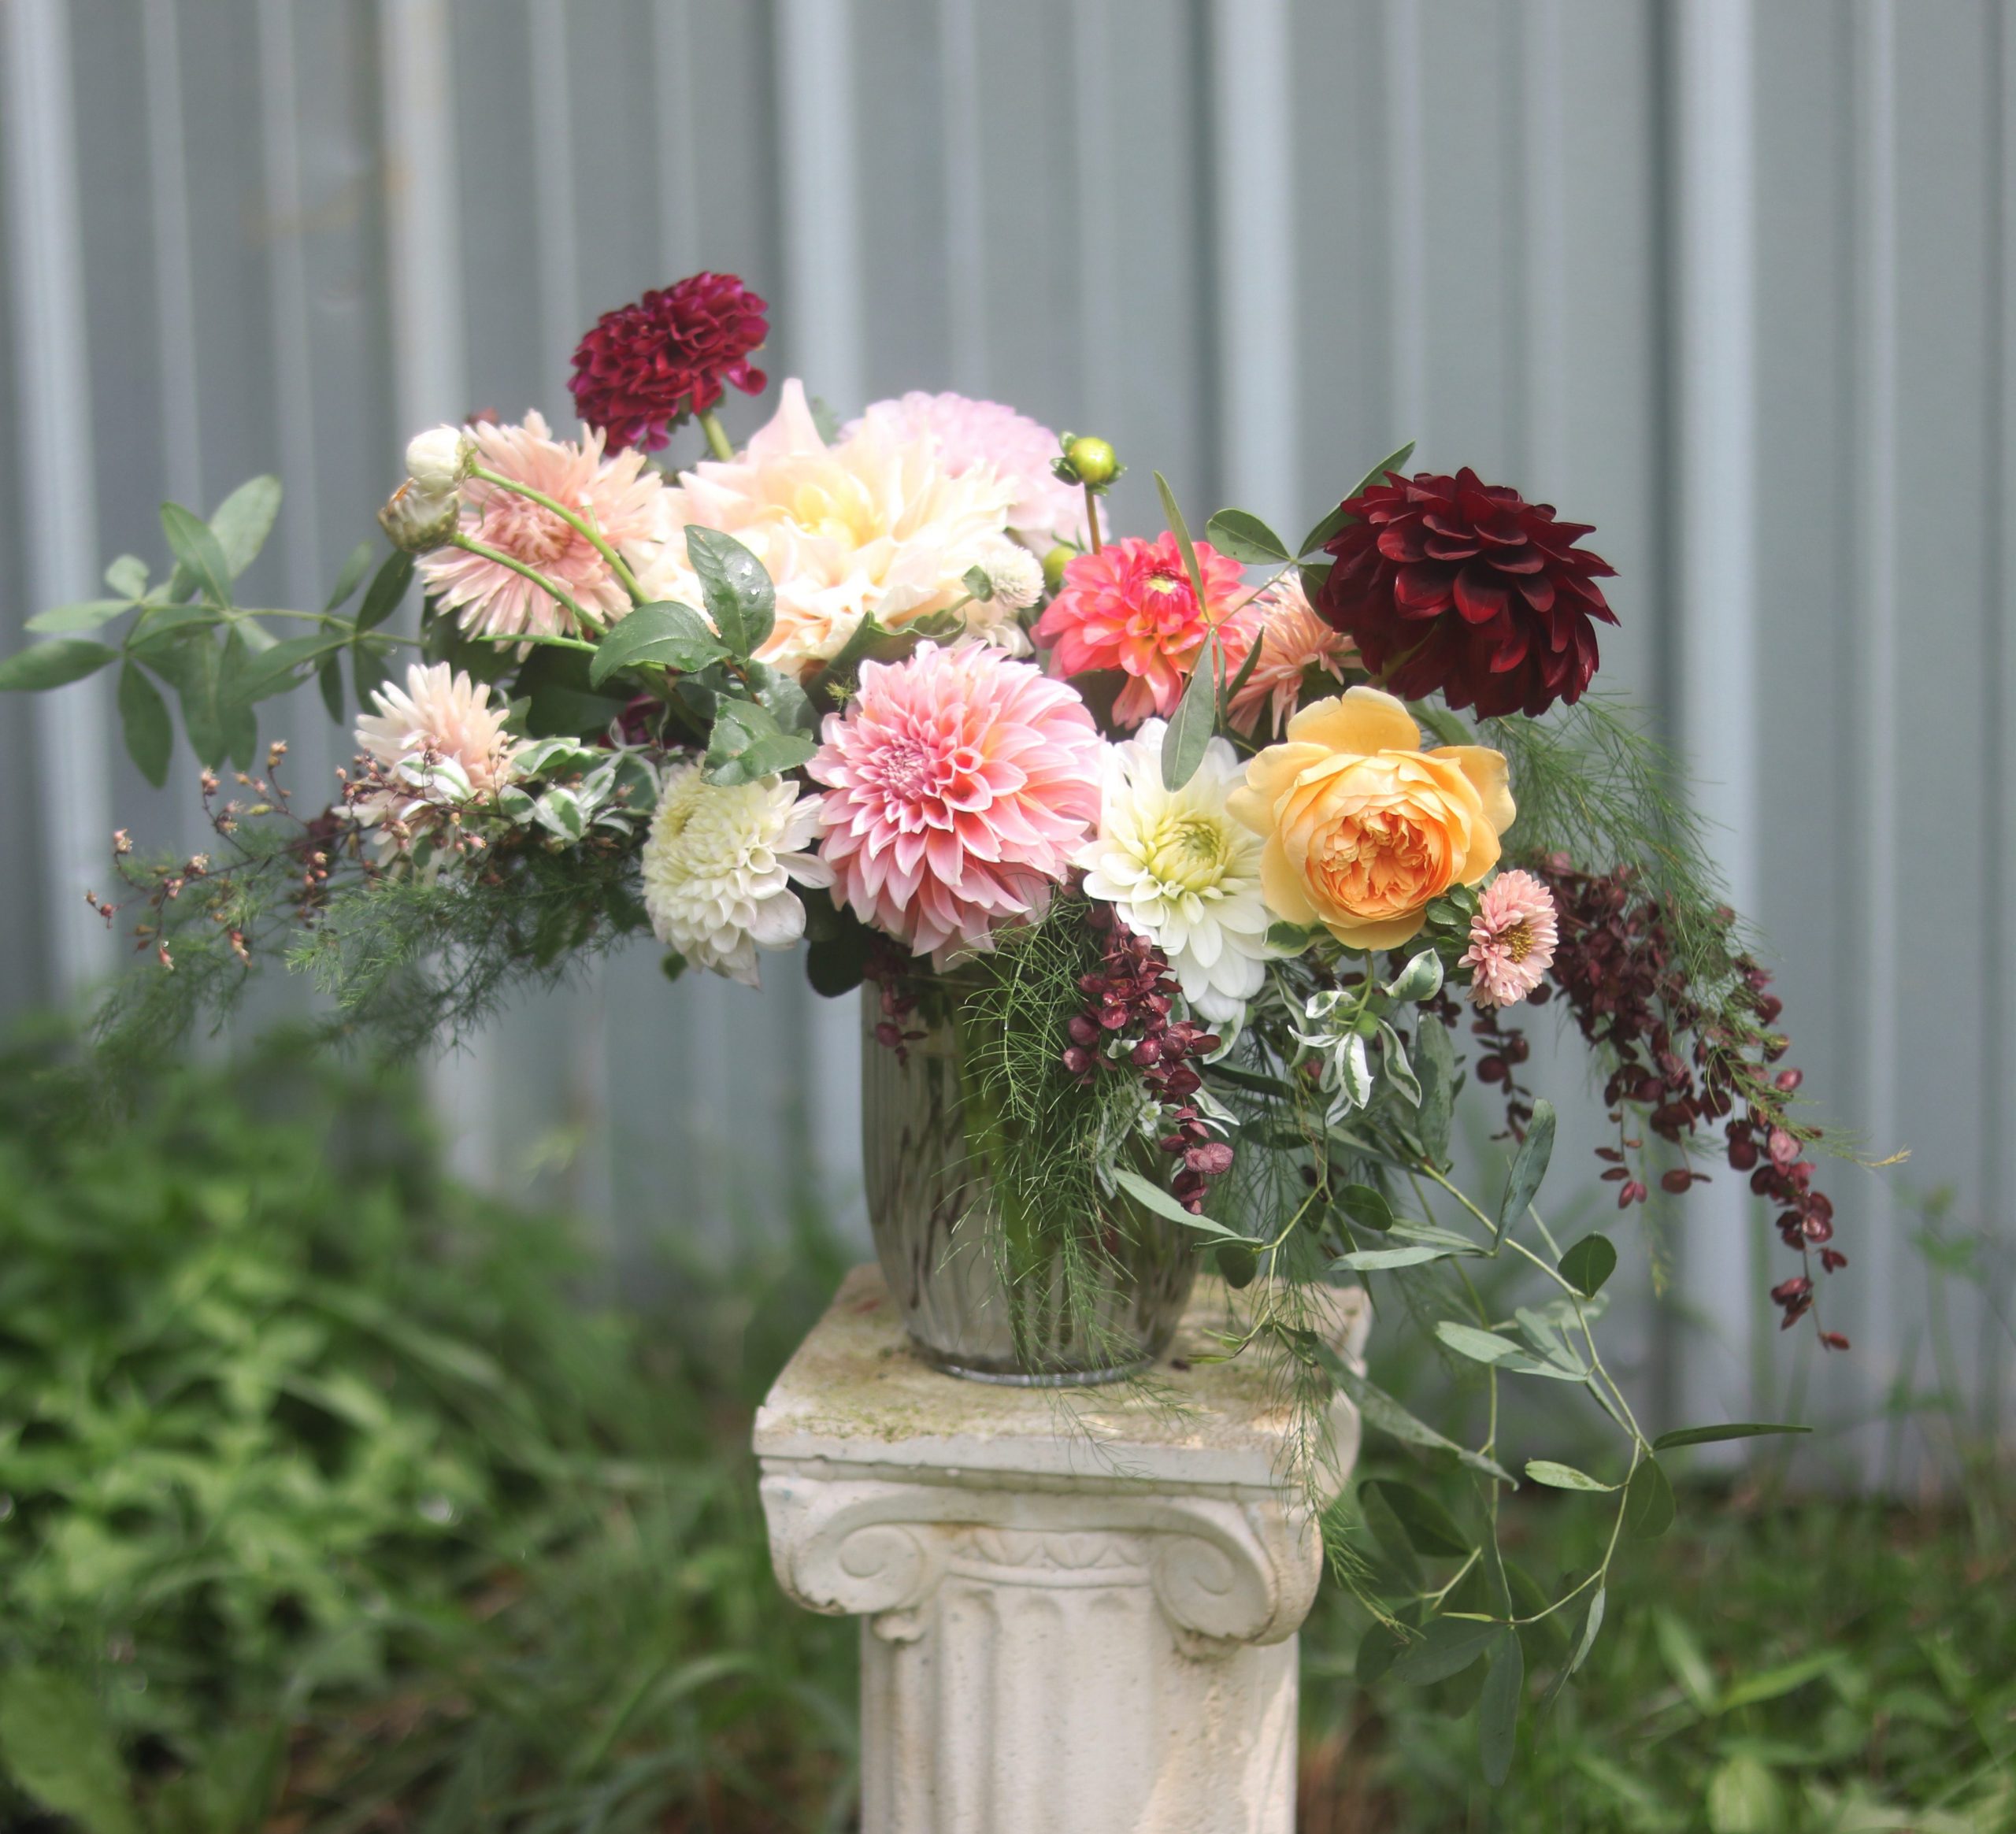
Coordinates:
1180 871
875 523
718 864
439 740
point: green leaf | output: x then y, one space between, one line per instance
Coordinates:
1593 1622
56 1744
128 575
244 519
1709 1435
1188 736
53 665
1563 1476
1365 1206
1449 1647
351 575
1773 1684
1377 1649
1647 1502
1379 1259
1745 1797
1588 1264
1380 1410
273 671
1394 1541
1435 1065
330 679
143 715
200 565
1497 1708
1680 1651
241 724
664 633
85 617
978 582
1245 537
746 745
1180 530
1420 980
1231 689
1430 1528
1152 1197
370 666
1488 1347
558 811
388 588
1522 1184
1238 1265
740 600
1291 939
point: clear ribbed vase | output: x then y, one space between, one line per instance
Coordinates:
983 1294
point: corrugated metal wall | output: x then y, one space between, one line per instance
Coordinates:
1730 280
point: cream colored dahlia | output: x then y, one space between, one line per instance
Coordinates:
718 863
1180 870
875 523
621 498
439 740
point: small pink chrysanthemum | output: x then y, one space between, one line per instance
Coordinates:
959 784
1293 640
1131 607
1018 449
619 496
1512 939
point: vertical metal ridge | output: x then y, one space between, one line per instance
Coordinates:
72 728
550 108
1876 299
175 279
1253 169
1545 245
287 267
1407 223
965 192
678 191
1099 279
1717 407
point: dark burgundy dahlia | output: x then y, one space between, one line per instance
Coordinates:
1450 585
645 368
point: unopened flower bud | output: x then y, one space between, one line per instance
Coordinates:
1054 564
1092 460
439 459
416 520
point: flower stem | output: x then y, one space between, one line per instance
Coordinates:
718 440
538 579
1092 515
580 525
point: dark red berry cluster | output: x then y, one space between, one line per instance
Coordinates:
1682 1064
1127 998
885 970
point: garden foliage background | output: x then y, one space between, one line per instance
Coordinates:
1735 281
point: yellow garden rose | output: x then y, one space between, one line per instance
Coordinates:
1363 828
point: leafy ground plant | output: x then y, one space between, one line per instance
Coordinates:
327 1495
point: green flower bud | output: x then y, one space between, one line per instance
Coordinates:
1054 564
416 520
1093 460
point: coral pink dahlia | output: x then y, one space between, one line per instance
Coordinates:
959 784
619 496
1512 939
1131 607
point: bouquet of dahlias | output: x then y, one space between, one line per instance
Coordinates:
1194 878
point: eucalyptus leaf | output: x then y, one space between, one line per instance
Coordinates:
1435 1067
1366 1206
241 724
1647 1501
356 565
53 665
1382 1260
329 678
1522 1184
244 519
1488 1347
1450 1646
200 565
1380 1410
144 721
1430 1527
1563 1477
1497 1708
1709 1435
1245 537
128 575
1152 1197
1588 1264
388 586
1188 736
86 616
1391 1535
1593 1622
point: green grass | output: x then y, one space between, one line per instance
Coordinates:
333 1498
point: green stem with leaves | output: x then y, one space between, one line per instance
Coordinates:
579 523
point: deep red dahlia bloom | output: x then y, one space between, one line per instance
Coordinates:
645 368
1451 585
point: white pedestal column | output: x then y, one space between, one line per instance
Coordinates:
1079 1607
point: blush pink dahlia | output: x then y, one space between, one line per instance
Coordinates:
1016 449
959 784
621 498
1298 649
1512 939
1131 607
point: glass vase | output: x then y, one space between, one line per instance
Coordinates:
983 1291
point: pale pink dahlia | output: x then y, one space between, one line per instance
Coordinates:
621 496
960 783
1131 607
1293 640
991 433
1512 939
438 742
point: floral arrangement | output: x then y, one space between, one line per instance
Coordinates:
1243 859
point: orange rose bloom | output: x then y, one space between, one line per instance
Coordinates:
1363 828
